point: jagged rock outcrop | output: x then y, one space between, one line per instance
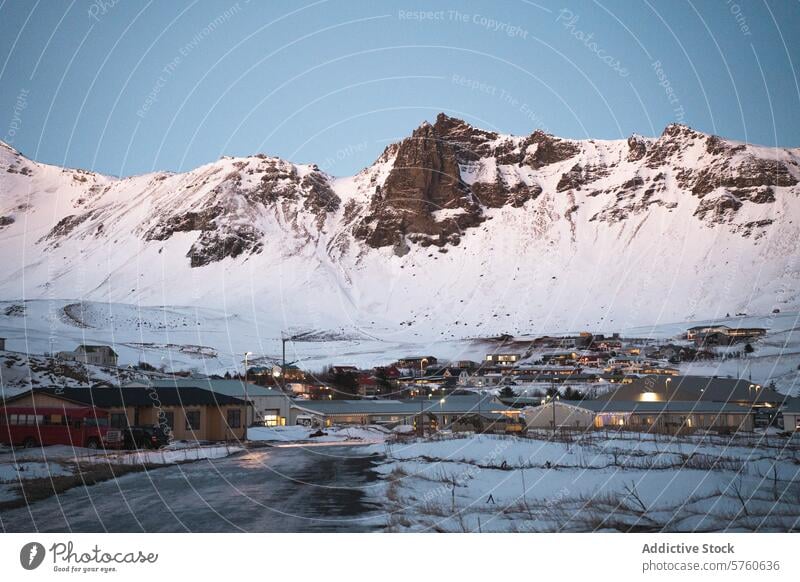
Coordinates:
423 196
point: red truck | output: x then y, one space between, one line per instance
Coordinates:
29 426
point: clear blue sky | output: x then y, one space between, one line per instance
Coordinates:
125 86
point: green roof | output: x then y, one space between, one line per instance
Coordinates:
451 405
227 387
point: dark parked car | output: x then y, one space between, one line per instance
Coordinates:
145 437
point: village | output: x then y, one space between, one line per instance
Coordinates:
563 383
441 441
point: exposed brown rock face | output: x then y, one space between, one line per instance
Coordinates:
225 222
187 222
674 139
498 194
571 180
469 143
744 178
215 245
717 208
637 148
425 179
549 150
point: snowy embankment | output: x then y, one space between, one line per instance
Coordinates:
20 466
308 436
166 456
592 482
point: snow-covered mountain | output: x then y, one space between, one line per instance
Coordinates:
452 232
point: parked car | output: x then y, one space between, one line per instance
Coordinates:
145 437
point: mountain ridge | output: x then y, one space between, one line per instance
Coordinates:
418 235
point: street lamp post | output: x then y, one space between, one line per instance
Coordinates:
246 399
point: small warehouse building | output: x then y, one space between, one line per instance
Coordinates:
442 412
190 413
695 388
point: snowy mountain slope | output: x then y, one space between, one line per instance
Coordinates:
452 232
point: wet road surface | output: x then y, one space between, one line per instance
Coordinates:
293 489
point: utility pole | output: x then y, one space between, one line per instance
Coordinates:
553 405
246 399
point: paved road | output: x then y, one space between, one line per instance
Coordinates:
266 490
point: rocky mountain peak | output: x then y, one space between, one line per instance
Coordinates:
425 179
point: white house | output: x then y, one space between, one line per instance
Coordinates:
565 414
88 354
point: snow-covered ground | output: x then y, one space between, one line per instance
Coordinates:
61 461
304 435
594 482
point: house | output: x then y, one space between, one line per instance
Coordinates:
308 390
670 352
344 370
560 358
606 345
722 334
368 385
557 342
269 407
188 413
416 362
791 415
502 359
98 355
695 388
671 416
537 370
559 412
465 364
292 373
388 372
592 359
480 380
442 411
746 333
700 331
